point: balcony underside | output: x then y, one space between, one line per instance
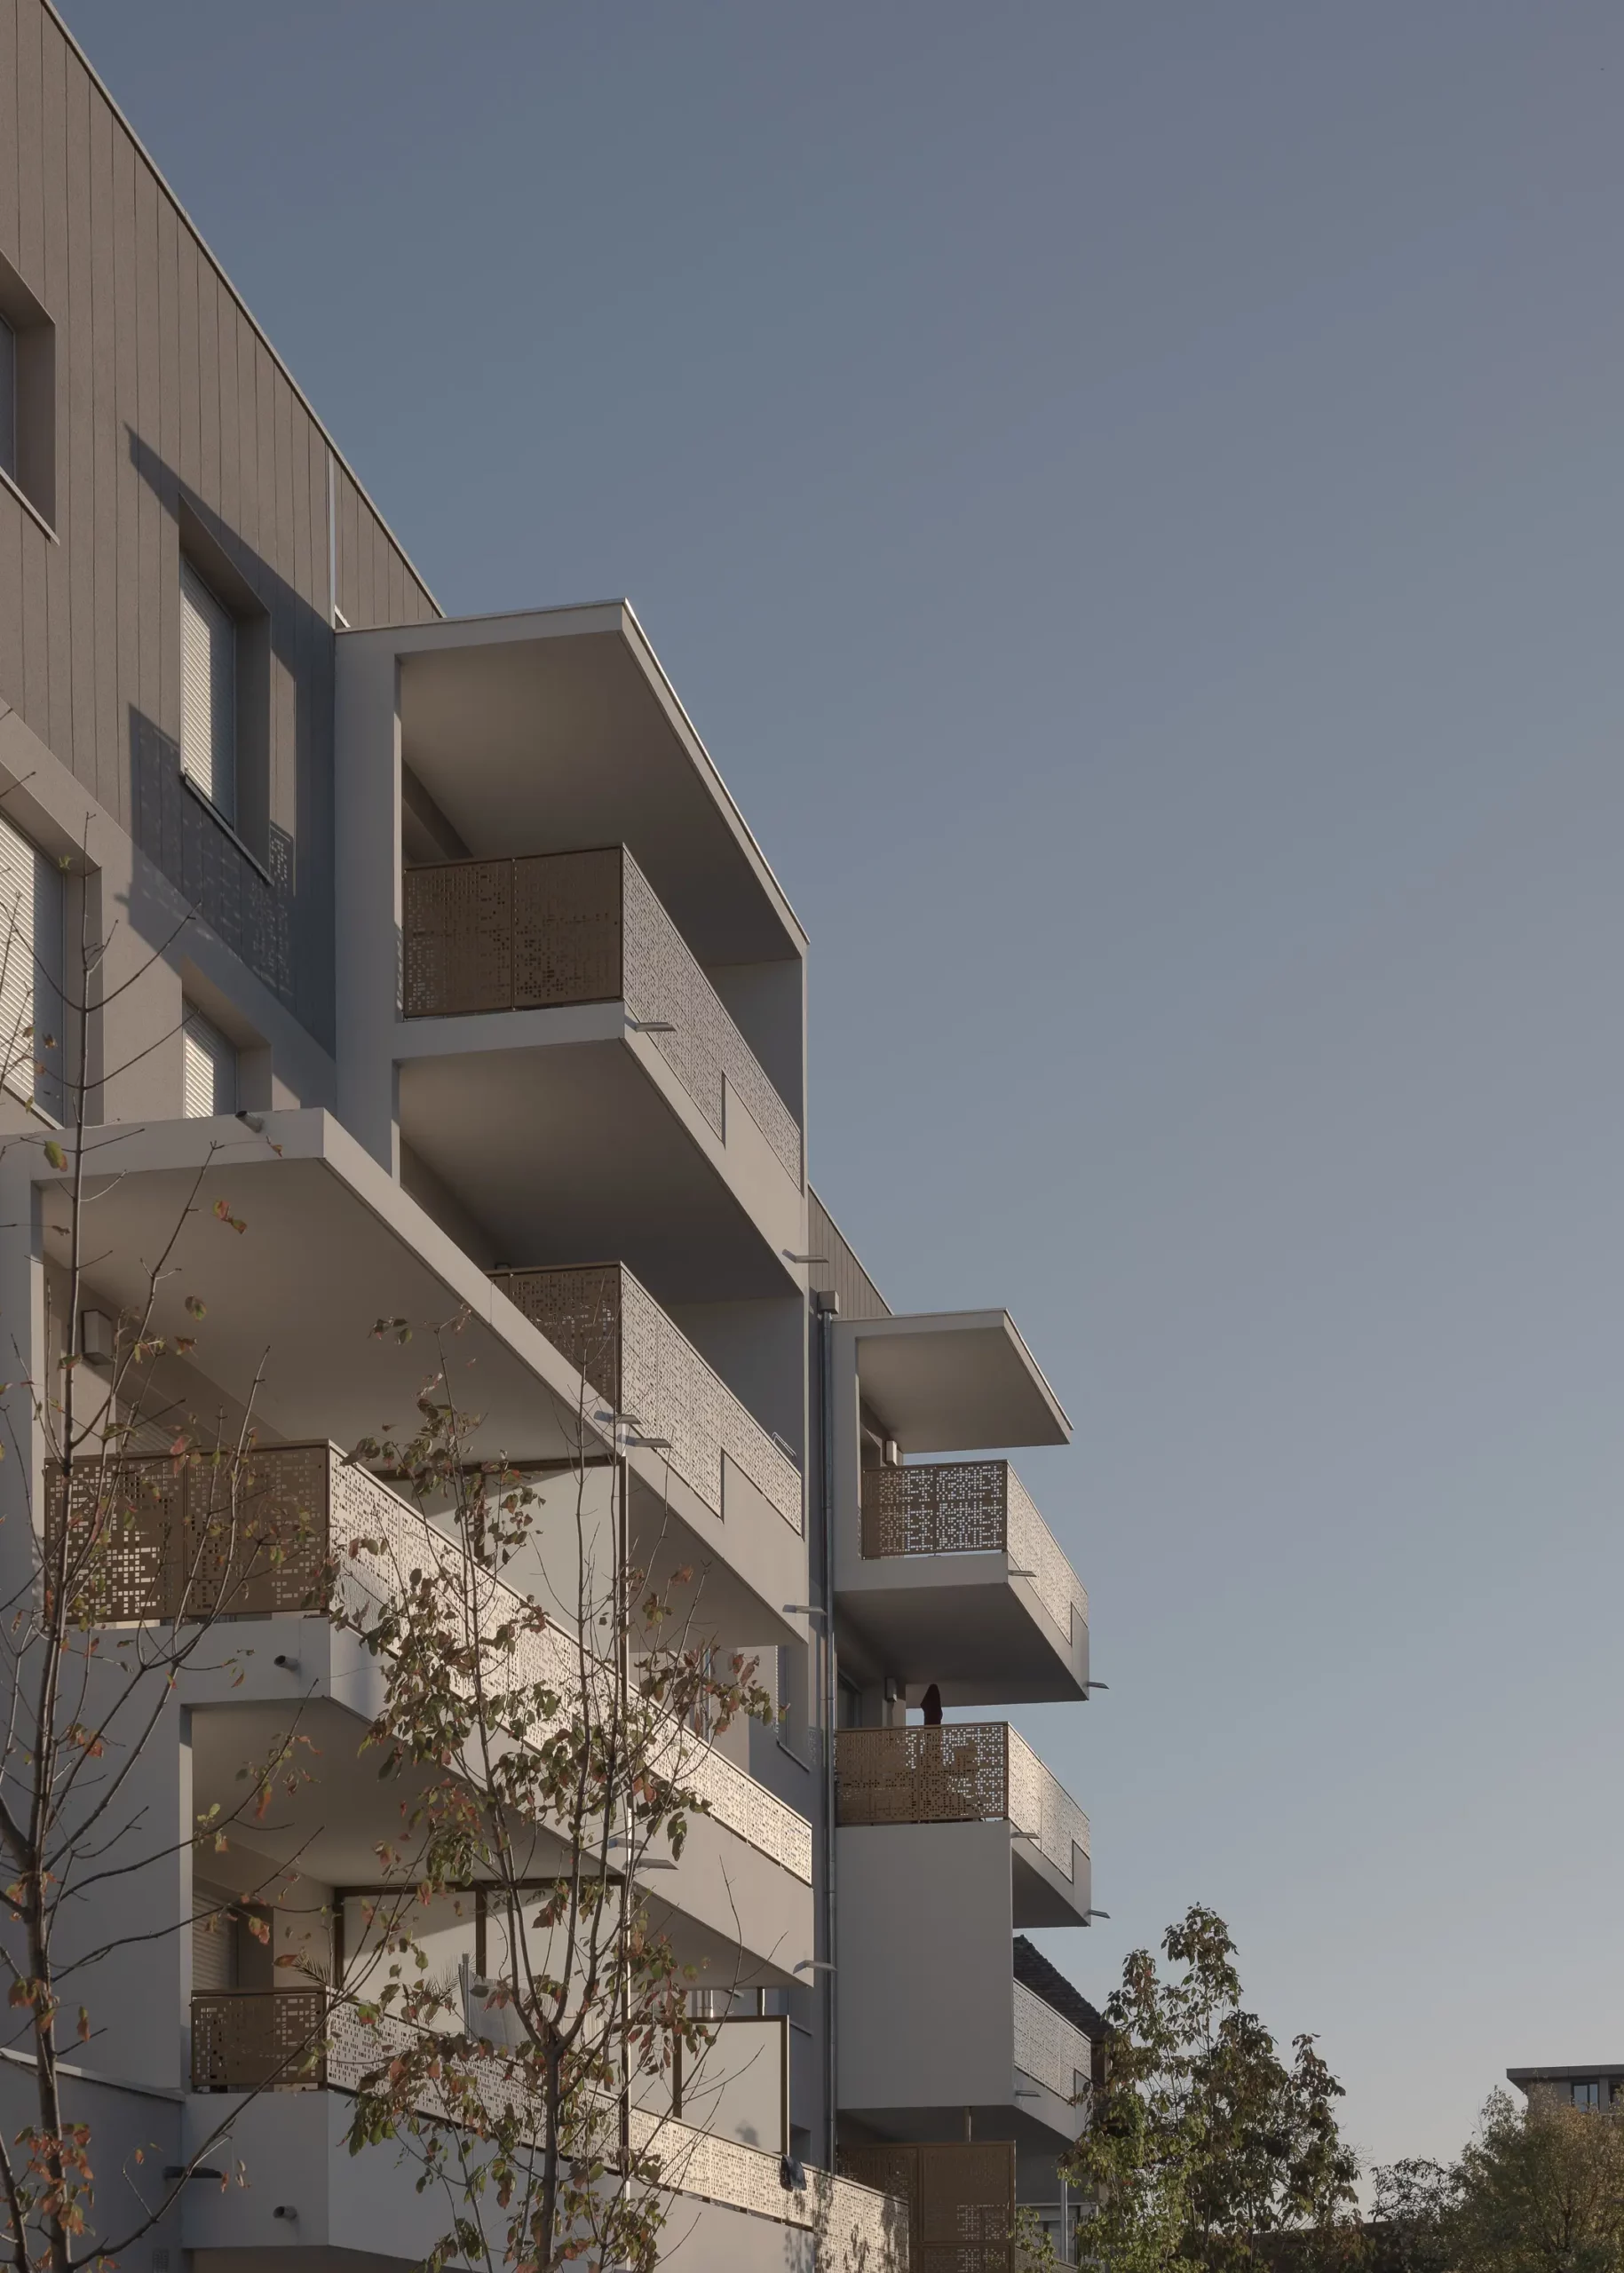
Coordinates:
964 1622
728 1907
559 728
331 1246
1042 2125
568 1142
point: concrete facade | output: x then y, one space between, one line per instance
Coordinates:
400 1152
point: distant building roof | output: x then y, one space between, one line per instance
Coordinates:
1583 2074
1033 1971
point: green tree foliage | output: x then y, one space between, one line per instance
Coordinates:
1537 2190
1203 2142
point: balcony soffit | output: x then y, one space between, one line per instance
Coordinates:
959 1380
559 731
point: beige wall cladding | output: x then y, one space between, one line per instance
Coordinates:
177 428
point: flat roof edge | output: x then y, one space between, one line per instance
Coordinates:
203 246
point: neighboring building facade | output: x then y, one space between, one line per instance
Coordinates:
439 951
1581 2086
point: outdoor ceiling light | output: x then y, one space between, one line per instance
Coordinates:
1100 1913
804 1610
790 1257
1022 2092
1097 1684
783 1443
651 1026
813 1965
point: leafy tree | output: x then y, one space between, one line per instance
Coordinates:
559 1757
1202 2141
1539 2189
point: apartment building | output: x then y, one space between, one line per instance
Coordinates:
1594 2086
436 952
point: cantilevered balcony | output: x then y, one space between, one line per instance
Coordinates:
919 2046
565 928
570 1074
1051 2053
299 1528
962 1582
277 2044
974 1772
570 995
641 1369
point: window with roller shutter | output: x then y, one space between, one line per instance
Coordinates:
210 1067
30 973
207 693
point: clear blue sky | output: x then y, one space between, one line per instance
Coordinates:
1132 497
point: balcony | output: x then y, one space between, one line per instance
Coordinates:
642 1367
287 2041
305 1529
1049 2050
959 2194
565 928
962 1582
974 1772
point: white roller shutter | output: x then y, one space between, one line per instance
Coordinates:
207 693
211 1068
30 971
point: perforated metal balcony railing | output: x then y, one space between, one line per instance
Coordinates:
960 2198
970 1507
639 1364
551 928
300 1528
965 1771
288 2040
1049 2048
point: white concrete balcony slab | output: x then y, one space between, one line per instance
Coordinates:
932 2020
973 1772
560 929
959 1580
305 2188
332 1244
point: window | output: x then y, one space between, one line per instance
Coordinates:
28 396
207 693
30 973
1588 2093
211 1075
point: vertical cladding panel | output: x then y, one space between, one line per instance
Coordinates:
30 263
840 1273
189 446
8 129
11 515
30 187
247 522
58 604
127 410
110 757
76 451
347 506
226 499
208 384
167 713
144 445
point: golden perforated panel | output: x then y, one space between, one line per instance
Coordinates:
960 2198
243 2039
